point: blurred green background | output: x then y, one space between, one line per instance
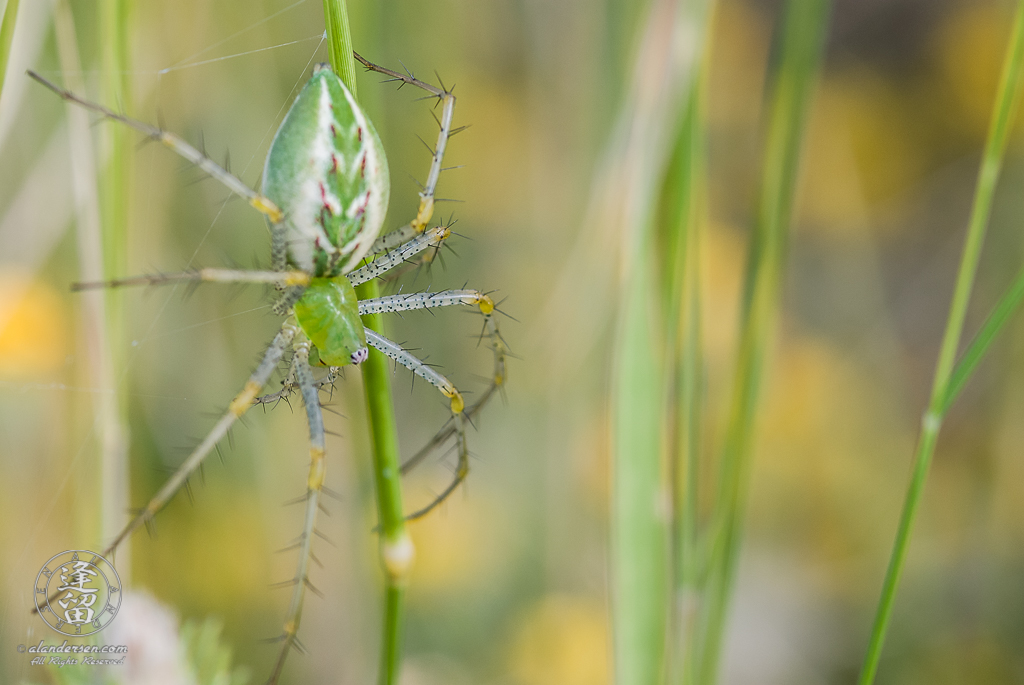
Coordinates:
510 584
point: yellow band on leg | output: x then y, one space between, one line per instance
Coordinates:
244 399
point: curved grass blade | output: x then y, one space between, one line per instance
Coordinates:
972 356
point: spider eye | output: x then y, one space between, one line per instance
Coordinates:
360 355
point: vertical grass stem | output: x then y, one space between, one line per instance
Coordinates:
1007 98
396 547
115 194
682 201
641 396
7 37
802 35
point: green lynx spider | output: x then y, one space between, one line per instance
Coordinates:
325 195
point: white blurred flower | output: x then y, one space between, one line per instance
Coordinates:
150 631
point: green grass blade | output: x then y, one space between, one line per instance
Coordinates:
115 197
680 223
640 415
972 356
639 532
7 37
111 425
387 476
794 78
395 544
1007 98
339 42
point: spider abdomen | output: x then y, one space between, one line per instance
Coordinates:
327 172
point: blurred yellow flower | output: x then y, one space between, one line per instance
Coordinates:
969 46
831 441
225 546
33 326
739 50
723 258
562 640
861 152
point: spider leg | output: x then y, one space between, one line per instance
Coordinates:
445 298
396 303
177 144
314 489
290 384
426 208
427 300
212 275
242 402
291 282
287 299
278 247
395 352
400 255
